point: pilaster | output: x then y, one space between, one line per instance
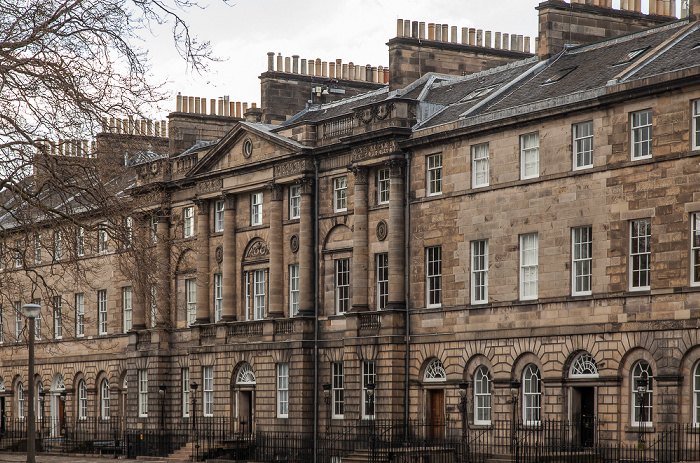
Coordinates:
396 236
306 248
360 250
276 299
229 264
203 273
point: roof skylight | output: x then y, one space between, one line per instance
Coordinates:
559 75
631 56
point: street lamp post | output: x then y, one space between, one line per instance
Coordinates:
327 400
194 386
31 311
463 387
161 392
370 396
514 394
642 387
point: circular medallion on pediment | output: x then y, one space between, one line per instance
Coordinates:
382 230
219 254
294 243
247 148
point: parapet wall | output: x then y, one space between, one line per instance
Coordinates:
588 21
417 50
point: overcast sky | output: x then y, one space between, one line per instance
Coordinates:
352 30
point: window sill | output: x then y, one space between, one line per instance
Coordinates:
640 158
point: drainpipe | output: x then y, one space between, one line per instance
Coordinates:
316 270
407 285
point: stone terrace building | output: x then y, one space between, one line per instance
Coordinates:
536 221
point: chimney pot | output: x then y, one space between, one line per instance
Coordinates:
445 32
303 67
190 104
270 60
421 30
331 69
375 78
465 35
414 29
453 34
526 45
238 109
324 68
514 42
407 28
226 106
479 38
505 42
295 64
386 75
399 28
279 62
431 31
497 41
178 103
438 32
287 64
487 39
212 106
472 36
345 71
231 109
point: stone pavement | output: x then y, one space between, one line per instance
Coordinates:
48 458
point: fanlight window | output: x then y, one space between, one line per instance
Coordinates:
583 366
2 384
58 384
246 375
435 372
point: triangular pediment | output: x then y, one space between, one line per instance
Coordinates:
244 145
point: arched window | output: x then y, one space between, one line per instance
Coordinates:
532 405
104 399
642 392
20 400
583 366
245 375
39 399
482 396
82 400
696 394
434 372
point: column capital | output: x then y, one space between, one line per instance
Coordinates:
396 166
275 191
361 174
163 216
229 201
307 185
202 206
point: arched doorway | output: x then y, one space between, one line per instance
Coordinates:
58 405
244 398
582 375
433 381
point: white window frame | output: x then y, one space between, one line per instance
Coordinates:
340 194
21 399
129 231
641 134
2 255
218 216
143 393
248 303
581 261
37 248
695 129
2 331
18 253
642 369
37 321
382 274
185 376
102 312
127 308
154 229
640 254
79 315
529 155
104 399
532 395
480 272
342 285
369 375
218 297
191 300
154 306
294 202
102 247
80 242
696 394
434 174
582 144
282 390
18 319
259 294
188 222
433 276
482 397
256 217
208 390
383 186
480 165
57 317
57 245
293 290
82 400
529 271
695 249
338 390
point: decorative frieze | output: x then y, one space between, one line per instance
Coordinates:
208 186
293 167
257 250
373 150
361 175
378 112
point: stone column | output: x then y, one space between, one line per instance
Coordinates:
203 273
306 248
139 288
360 248
229 265
396 236
163 256
276 283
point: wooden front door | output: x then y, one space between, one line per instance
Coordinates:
436 413
245 411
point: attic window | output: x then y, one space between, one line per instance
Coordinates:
477 93
696 46
633 55
559 75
